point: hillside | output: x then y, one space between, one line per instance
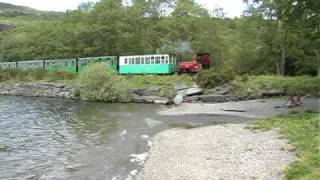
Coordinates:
10 10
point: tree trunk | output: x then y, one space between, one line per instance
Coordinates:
317 51
283 60
278 68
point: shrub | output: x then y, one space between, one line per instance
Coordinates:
303 85
101 83
211 78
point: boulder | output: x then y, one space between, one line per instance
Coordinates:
150 99
152 91
138 91
194 91
221 90
137 99
182 92
192 98
178 100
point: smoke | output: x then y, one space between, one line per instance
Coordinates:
183 46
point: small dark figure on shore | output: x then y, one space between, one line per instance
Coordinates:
294 100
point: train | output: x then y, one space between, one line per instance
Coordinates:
136 64
124 65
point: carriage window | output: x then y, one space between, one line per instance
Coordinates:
66 63
125 60
137 60
142 60
132 61
162 60
147 60
167 60
152 60
157 60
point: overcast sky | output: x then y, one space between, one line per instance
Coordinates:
231 7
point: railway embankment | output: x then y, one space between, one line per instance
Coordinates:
51 90
151 95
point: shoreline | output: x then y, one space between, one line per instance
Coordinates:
217 152
223 151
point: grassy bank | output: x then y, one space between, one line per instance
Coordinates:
165 82
302 129
35 75
304 85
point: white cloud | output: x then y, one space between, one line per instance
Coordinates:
231 7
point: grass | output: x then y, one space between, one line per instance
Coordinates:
35 75
304 85
165 82
302 129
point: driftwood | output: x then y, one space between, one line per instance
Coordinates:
233 110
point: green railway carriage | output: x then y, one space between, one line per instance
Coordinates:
148 64
72 65
138 64
68 65
30 64
111 61
8 65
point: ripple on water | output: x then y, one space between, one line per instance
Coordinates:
61 139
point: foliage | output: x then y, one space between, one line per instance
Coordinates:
31 75
271 37
211 78
302 129
303 85
101 83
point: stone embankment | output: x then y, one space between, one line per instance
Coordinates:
152 95
51 90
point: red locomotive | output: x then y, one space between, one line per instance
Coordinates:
199 61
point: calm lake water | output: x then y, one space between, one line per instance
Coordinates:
62 139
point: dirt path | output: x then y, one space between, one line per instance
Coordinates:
217 152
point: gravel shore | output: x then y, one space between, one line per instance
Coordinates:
261 108
217 152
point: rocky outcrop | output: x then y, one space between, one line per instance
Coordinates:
5 27
52 90
221 90
150 99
